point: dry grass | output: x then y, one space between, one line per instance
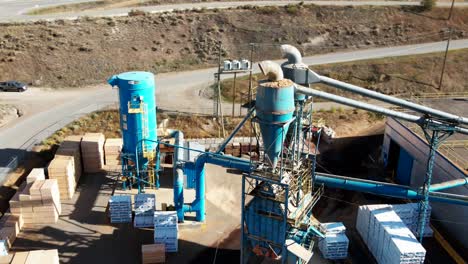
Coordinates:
87 51
107 122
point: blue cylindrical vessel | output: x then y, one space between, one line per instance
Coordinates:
137 113
275 107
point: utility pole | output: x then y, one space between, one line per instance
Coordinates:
451 10
445 59
234 94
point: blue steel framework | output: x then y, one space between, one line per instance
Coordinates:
267 219
435 135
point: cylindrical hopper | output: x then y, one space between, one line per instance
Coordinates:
275 108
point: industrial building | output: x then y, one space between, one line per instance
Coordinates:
405 154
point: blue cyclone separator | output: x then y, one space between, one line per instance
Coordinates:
137 112
275 107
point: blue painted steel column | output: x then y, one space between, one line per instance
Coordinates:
178 174
179 193
200 193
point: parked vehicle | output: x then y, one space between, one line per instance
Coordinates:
13 86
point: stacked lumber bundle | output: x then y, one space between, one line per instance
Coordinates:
145 204
120 208
153 253
387 237
335 244
37 202
71 147
92 149
32 257
166 230
62 168
112 150
10 226
35 174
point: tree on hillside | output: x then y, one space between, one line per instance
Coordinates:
428 4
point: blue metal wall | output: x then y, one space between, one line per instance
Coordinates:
260 225
405 166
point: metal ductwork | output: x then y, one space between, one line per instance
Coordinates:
271 70
292 54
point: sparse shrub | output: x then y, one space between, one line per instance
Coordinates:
292 9
136 12
428 4
267 10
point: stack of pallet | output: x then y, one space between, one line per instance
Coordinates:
70 147
144 210
153 253
387 237
409 214
62 168
37 202
92 149
112 150
32 257
120 208
10 226
335 244
166 230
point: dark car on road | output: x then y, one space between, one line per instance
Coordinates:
12 86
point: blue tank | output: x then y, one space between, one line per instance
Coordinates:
275 107
137 112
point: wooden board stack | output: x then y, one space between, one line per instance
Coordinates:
92 149
35 174
71 147
10 226
62 168
37 202
112 150
32 257
153 253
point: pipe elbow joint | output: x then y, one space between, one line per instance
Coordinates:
272 70
291 53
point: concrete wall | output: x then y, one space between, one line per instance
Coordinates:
444 170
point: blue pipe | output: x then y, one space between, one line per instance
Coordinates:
384 189
448 184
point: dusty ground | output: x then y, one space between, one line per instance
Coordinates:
86 51
403 76
8 113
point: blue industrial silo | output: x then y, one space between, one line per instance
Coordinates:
137 122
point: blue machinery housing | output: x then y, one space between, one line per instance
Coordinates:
266 217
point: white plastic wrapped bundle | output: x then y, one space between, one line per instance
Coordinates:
335 244
144 210
120 209
166 230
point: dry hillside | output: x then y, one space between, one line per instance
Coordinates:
88 51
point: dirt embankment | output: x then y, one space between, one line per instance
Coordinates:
88 51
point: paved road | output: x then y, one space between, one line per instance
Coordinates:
175 91
12 10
